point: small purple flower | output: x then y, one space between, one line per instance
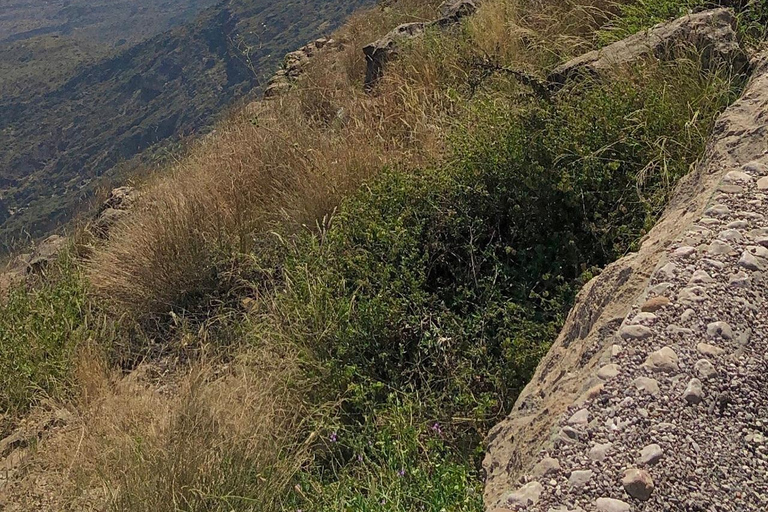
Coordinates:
436 428
401 472
359 457
333 437
383 501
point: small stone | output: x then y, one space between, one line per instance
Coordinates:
579 478
687 315
676 329
608 371
643 318
709 221
693 294
599 451
611 505
637 483
755 167
717 210
654 304
684 251
647 385
580 417
660 289
737 177
694 393
569 434
750 262
635 332
594 391
664 360
709 350
651 454
759 251
730 235
739 280
546 466
705 369
762 183
737 224
730 189
717 265
718 248
722 329
762 241
528 494
701 277
616 350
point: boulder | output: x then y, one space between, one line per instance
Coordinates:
711 33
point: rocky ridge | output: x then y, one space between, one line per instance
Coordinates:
653 397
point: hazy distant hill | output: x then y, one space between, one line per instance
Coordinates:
55 143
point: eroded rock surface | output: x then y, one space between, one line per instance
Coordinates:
710 33
294 65
683 432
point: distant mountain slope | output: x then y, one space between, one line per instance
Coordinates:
55 144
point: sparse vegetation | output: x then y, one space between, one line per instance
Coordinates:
353 288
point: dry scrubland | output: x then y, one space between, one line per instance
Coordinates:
327 303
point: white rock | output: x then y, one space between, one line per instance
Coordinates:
701 277
713 263
647 385
722 329
528 494
611 505
664 360
693 393
717 210
635 332
718 248
709 350
644 318
740 280
684 252
546 466
705 369
750 262
737 177
693 294
600 451
579 478
687 315
580 417
609 371
762 183
651 454
668 270
730 235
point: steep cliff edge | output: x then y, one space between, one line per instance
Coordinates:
651 397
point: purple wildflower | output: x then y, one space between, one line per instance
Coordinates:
436 428
333 437
359 457
401 472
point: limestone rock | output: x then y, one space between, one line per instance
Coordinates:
693 393
611 505
651 454
528 494
638 483
664 360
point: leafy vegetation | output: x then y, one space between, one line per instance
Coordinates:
386 270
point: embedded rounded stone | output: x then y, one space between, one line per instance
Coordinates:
546 466
688 315
664 360
762 183
611 505
643 318
608 371
730 235
739 280
759 251
731 189
705 369
684 251
599 451
635 332
737 177
717 210
750 262
637 483
718 248
722 329
737 224
527 495
709 350
701 277
651 454
694 393
654 304
647 385
717 265
579 478
676 329
580 417
668 270
660 289
616 350
693 294
755 167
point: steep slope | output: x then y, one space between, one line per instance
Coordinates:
652 396
55 144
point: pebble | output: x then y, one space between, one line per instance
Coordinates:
730 235
687 315
668 270
635 332
664 360
599 451
580 478
737 177
718 210
528 494
713 263
705 369
608 371
762 183
546 466
750 262
693 393
722 329
709 350
693 294
718 248
580 417
684 252
647 384
638 483
651 454
739 280
611 505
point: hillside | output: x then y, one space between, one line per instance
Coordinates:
506 255
58 142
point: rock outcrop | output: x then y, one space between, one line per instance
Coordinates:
379 52
710 33
295 63
114 210
654 396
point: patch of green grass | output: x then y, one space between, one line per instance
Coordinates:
40 333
